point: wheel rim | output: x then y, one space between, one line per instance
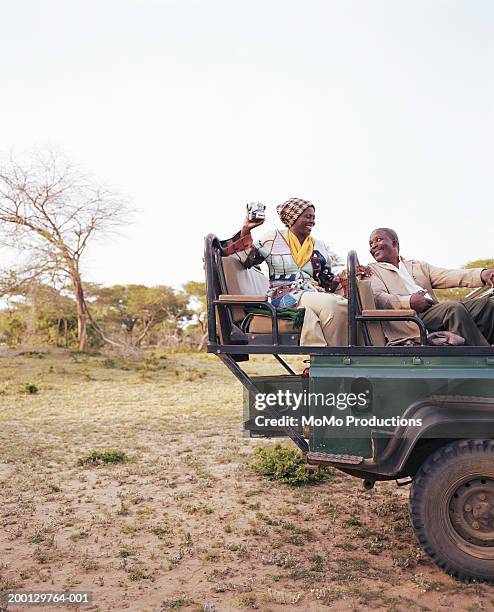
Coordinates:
471 514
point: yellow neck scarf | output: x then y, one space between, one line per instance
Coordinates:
301 252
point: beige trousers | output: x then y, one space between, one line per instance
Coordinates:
325 320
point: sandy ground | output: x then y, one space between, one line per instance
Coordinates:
186 524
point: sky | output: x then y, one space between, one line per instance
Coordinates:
380 113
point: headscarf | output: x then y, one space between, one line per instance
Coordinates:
291 210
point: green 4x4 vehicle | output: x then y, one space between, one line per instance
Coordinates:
421 415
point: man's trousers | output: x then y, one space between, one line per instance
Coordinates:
472 319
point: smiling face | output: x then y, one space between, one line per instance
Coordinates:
304 224
384 246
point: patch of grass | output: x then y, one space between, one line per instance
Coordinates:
38 536
35 354
190 374
28 389
177 603
100 457
78 535
248 601
136 499
346 546
114 364
317 563
285 465
161 530
137 574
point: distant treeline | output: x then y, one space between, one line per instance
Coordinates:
127 316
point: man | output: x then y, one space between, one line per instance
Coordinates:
400 283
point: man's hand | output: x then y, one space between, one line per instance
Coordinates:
419 302
487 277
249 225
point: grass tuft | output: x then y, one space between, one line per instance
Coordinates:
28 389
285 465
113 455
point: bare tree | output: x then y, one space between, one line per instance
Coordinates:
51 209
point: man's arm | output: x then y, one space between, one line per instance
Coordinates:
384 299
443 278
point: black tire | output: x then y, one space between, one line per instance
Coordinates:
452 509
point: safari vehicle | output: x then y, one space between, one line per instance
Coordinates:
441 396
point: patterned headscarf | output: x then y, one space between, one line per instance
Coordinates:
291 210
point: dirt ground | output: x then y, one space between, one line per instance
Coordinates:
186 524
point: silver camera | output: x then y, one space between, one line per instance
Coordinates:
256 211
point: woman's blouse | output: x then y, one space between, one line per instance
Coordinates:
273 248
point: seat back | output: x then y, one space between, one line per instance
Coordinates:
242 281
367 302
220 322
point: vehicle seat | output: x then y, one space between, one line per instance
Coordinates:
252 282
374 328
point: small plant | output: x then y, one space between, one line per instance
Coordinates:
115 364
248 601
136 499
28 389
137 574
285 465
161 530
38 536
78 535
41 555
177 603
103 457
317 563
35 354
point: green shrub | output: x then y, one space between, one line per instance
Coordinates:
104 456
285 465
28 388
35 354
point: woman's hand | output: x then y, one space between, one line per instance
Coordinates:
364 271
248 225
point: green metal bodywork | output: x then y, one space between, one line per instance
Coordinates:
396 383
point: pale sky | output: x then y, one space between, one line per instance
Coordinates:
380 112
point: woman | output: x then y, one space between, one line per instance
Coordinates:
299 272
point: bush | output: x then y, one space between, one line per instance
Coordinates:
285 465
28 388
103 457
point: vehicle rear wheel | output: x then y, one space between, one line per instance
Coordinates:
452 508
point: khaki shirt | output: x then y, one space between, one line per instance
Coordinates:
390 290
